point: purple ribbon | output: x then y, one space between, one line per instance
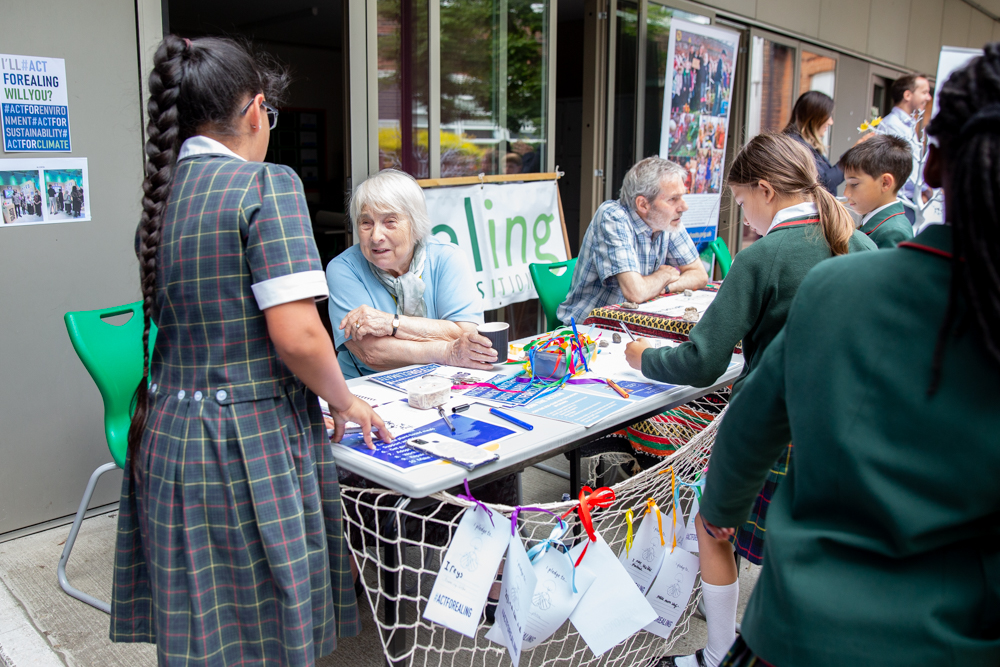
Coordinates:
576 381
513 517
468 496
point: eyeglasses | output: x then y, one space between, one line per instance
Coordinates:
272 113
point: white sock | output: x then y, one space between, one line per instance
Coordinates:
720 615
686 660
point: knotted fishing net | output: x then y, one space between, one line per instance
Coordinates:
398 544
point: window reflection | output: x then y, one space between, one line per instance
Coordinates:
403 86
493 86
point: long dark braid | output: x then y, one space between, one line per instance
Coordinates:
195 85
967 127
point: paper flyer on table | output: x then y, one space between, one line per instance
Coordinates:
576 407
467 571
674 305
671 591
524 395
554 599
399 380
613 609
401 456
516 593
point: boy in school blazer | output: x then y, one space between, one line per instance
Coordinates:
875 170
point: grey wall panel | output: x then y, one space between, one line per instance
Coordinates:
980 30
852 104
51 416
924 38
955 27
888 25
845 22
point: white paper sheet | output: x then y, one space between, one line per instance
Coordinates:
519 582
610 361
675 304
643 560
689 541
468 570
671 591
554 600
613 609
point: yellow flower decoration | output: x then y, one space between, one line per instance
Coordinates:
870 125
878 119
864 127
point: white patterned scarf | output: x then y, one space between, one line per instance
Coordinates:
407 289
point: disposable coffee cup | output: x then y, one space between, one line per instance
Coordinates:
497 333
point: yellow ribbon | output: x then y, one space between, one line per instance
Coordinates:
628 536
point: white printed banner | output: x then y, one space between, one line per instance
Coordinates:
502 227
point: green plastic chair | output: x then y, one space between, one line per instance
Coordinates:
552 289
112 354
720 250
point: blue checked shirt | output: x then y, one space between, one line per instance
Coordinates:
618 241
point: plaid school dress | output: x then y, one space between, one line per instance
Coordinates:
230 547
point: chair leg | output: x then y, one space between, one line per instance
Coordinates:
61 571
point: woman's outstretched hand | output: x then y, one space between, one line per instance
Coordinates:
471 350
361 413
366 321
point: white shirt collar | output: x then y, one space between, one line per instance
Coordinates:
202 145
797 211
906 118
868 216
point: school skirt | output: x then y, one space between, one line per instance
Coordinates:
749 538
230 546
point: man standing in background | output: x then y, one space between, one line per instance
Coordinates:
910 94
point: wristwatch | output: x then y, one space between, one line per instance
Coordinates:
395 325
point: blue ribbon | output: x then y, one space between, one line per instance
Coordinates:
554 540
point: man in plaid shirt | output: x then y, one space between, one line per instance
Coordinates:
636 248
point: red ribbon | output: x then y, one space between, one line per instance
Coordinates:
589 498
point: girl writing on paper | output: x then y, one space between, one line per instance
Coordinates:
230 545
774 179
883 545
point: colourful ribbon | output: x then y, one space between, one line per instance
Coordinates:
468 496
629 518
518 509
589 498
554 540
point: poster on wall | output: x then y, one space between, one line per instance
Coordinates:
502 227
34 109
38 191
696 106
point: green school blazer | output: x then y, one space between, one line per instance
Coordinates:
883 543
889 227
751 305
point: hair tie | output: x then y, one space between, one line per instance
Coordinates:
986 119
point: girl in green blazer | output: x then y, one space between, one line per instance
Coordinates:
774 179
884 542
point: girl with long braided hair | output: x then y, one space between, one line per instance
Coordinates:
230 543
883 542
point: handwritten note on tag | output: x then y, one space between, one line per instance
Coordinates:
671 591
689 542
554 599
515 600
643 560
467 571
613 609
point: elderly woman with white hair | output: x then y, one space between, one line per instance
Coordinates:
400 296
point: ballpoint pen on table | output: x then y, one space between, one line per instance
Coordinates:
513 420
444 416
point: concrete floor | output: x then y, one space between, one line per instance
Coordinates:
40 626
